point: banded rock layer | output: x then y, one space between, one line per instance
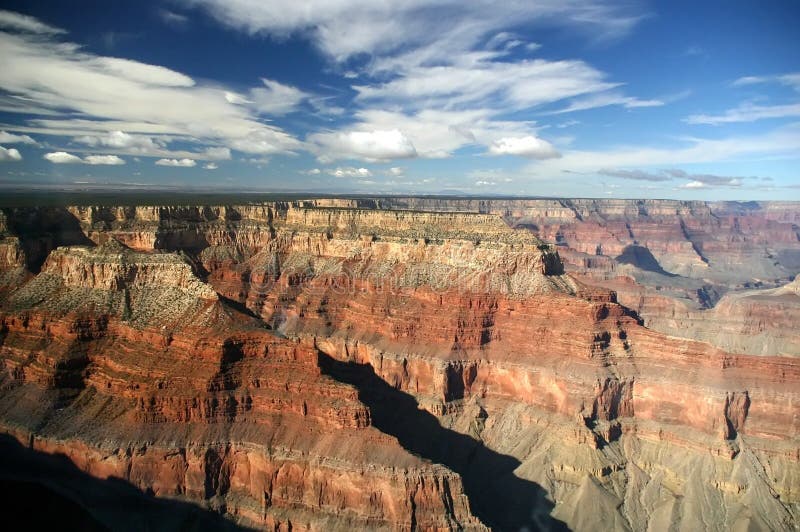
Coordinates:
335 366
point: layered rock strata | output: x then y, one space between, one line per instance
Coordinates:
329 366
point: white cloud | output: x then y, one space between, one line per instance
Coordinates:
112 95
418 69
173 19
342 28
349 172
529 146
606 99
432 134
18 22
143 73
62 157
275 98
694 184
9 154
184 163
746 113
265 141
211 166
370 145
148 146
10 138
784 140
235 98
111 160
218 153
476 78
134 144
396 171
791 79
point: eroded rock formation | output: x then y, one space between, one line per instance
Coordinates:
339 364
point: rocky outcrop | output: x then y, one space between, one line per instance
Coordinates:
200 402
325 364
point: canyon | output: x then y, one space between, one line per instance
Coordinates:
405 363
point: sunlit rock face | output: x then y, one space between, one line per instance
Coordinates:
414 363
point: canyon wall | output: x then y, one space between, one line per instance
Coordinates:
339 364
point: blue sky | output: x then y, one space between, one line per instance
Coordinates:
694 100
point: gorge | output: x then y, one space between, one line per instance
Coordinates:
405 363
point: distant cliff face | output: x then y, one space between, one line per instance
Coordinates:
409 363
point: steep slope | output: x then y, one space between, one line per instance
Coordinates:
131 366
339 367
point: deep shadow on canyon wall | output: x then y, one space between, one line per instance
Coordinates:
497 497
41 491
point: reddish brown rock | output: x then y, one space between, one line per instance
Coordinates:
332 366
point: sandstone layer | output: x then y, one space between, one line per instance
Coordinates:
339 364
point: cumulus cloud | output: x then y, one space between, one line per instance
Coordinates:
374 145
349 172
183 163
9 154
211 166
62 157
10 138
396 171
111 160
530 146
694 184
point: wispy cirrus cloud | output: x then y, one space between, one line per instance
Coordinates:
171 18
427 90
783 141
746 113
750 111
344 28
694 180
9 20
791 79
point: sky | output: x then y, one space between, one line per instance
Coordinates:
629 99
